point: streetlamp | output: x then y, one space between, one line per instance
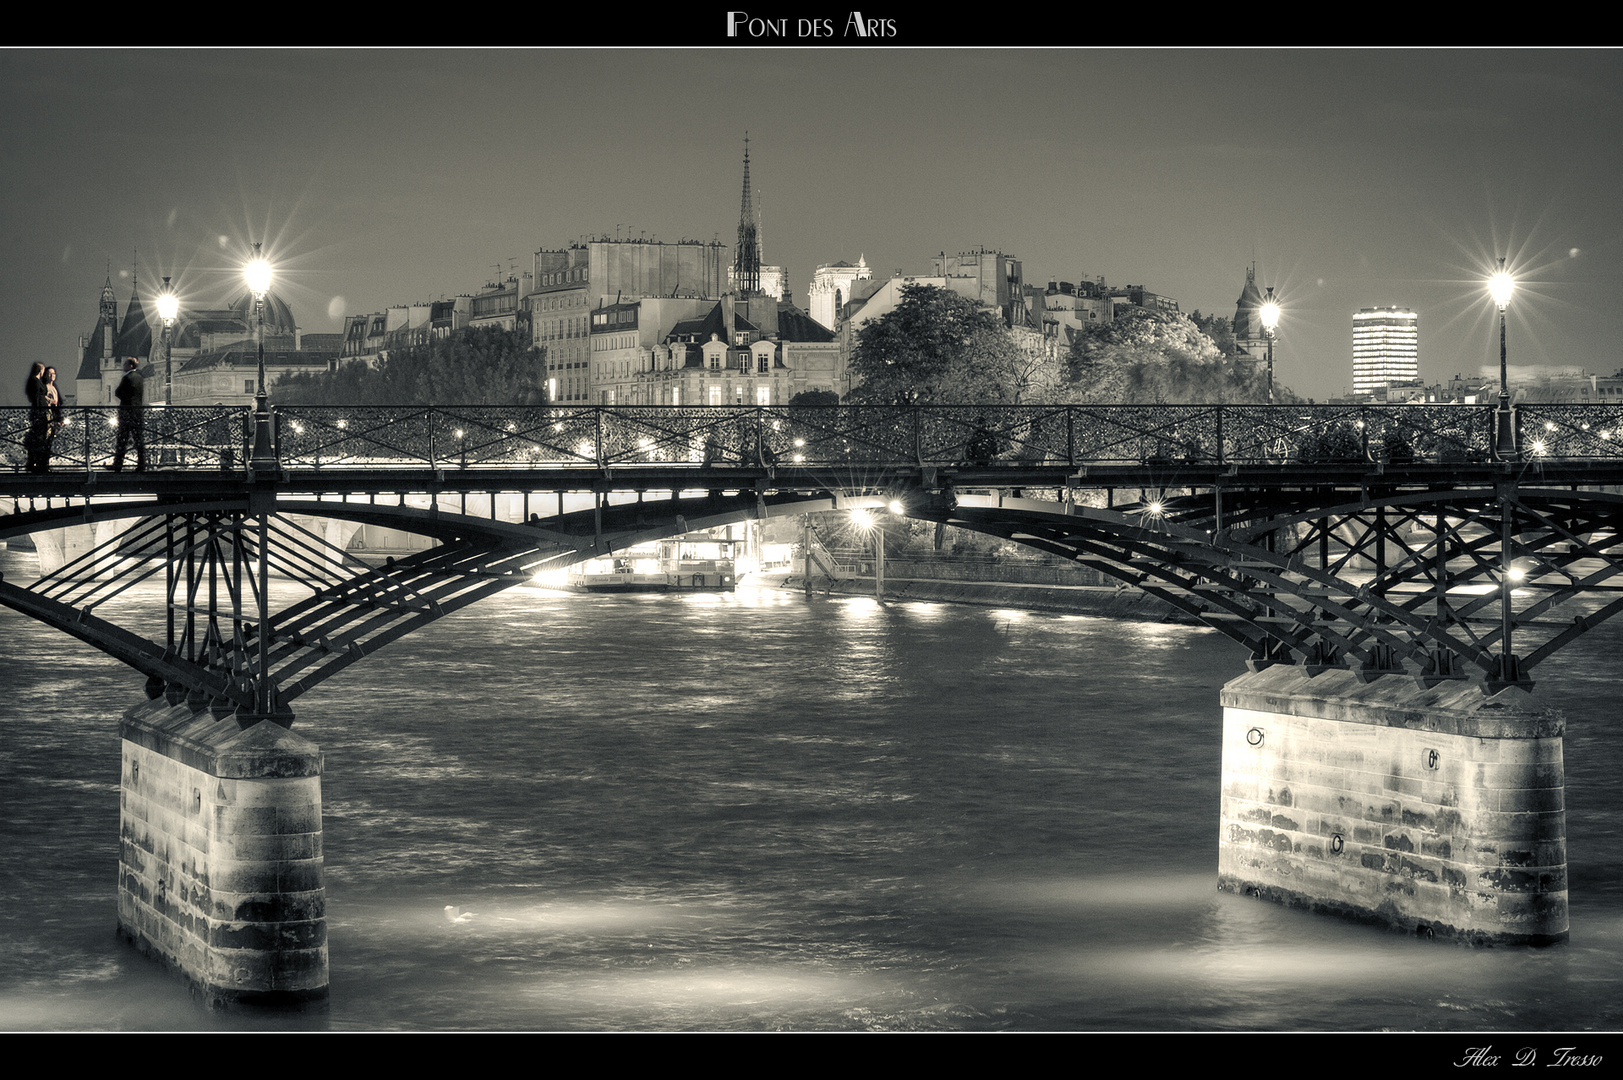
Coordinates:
1270 323
258 275
168 308
866 520
1500 286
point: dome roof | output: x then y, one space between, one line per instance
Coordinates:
278 316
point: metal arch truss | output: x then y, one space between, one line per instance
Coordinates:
1402 580
215 558
1407 583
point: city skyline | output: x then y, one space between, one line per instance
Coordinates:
1352 178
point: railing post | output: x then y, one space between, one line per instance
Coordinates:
1222 452
918 447
598 417
1070 435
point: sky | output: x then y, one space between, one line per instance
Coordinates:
1350 178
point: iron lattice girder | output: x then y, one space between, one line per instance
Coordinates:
145 656
1179 565
353 607
1428 545
1553 529
1265 598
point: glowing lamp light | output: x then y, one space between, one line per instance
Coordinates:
1155 509
1270 316
258 275
168 307
862 519
896 507
1500 286
1516 573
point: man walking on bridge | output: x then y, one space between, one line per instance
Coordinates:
131 417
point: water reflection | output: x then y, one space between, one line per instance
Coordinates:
761 811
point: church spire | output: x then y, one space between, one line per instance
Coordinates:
109 300
747 260
135 336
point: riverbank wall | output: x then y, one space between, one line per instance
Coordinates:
1105 602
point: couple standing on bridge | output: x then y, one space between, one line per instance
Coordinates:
46 417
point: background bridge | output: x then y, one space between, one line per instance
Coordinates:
1381 539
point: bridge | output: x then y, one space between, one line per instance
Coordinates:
1350 550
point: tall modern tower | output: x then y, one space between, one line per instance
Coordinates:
1386 348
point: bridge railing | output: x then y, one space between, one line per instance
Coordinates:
843 435
175 436
336 437
1571 431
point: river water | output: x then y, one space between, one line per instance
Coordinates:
760 811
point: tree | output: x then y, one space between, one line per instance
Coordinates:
474 366
1146 356
935 346
1219 329
815 397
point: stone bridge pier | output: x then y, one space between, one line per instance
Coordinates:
1435 811
220 859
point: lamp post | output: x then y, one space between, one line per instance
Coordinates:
1270 323
1500 286
258 275
168 308
867 520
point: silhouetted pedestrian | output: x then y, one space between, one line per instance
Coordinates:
131 396
56 419
38 438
